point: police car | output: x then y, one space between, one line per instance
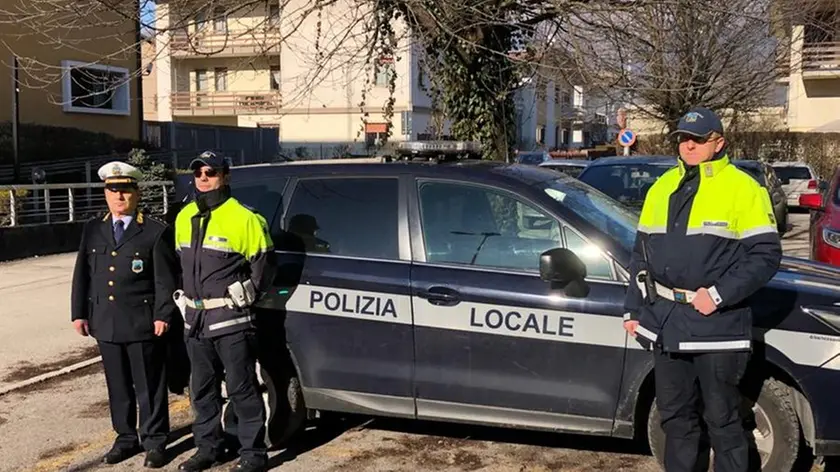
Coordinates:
491 294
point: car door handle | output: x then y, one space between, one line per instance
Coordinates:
441 296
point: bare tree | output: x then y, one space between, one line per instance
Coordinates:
665 57
661 55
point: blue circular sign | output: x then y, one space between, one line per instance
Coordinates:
626 137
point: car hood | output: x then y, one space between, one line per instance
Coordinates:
809 276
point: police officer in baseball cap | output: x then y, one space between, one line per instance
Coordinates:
692 277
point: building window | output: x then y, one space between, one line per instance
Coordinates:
89 88
219 20
384 71
221 74
273 13
578 97
200 21
274 79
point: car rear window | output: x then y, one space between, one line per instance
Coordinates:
627 183
572 171
755 172
532 158
788 173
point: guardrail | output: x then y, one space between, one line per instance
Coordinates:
226 103
26 205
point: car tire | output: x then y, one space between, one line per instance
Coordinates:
776 425
284 406
783 223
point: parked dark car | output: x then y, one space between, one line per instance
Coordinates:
766 176
570 167
492 293
627 179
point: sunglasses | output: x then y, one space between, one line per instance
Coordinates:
697 139
209 173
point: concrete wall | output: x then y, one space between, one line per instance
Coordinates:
17 242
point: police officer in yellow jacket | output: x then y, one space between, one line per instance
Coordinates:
225 251
706 241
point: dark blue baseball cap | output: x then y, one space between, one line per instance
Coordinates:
211 159
700 122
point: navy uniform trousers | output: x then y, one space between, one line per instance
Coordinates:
682 382
122 283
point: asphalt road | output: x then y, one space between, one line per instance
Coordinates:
63 423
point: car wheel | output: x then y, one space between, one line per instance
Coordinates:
284 406
775 429
783 223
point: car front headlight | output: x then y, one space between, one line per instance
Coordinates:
831 237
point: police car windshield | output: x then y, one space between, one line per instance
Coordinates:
596 208
627 183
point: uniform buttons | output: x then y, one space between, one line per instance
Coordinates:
110 283
111 268
114 253
111 297
145 301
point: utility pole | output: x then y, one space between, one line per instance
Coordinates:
15 118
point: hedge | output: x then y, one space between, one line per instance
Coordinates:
41 143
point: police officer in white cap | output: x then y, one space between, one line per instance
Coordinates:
122 288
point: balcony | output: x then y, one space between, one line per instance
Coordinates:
226 103
821 60
242 44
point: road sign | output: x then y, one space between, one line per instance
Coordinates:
626 137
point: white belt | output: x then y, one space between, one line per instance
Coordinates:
201 304
673 294
208 303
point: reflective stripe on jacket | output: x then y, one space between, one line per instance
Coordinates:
710 227
235 246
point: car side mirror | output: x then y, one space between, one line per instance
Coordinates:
811 201
823 185
564 268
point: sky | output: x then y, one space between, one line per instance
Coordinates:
147 12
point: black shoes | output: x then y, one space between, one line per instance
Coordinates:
118 454
197 463
246 465
155 459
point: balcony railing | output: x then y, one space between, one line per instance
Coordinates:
818 57
225 45
226 103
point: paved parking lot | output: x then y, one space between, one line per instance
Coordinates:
63 423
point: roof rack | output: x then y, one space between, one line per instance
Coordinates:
439 151
340 160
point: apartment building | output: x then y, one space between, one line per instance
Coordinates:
82 75
258 67
813 102
560 115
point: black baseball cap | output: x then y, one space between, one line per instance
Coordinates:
700 122
211 159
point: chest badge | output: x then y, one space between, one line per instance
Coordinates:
137 266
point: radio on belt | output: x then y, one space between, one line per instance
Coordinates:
242 294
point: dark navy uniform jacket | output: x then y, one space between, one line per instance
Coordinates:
121 289
711 226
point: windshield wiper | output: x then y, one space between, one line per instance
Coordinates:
483 240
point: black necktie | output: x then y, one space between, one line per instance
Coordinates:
118 230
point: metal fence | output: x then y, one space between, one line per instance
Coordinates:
26 205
